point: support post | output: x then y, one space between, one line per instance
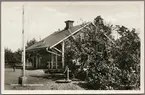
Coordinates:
63 54
36 61
57 50
33 62
52 52
67 74
39 62
56 60
52 61
49 65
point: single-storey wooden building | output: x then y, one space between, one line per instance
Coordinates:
49 52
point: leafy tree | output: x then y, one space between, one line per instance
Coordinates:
113 64
18 56
28 44
12 58
9 57
31 42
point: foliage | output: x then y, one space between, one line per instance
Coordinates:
31 42
12 58
18 56
112 64
9 58
28 44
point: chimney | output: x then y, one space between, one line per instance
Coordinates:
69 24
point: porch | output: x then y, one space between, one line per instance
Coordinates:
47 58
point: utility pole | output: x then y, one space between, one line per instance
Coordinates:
23 78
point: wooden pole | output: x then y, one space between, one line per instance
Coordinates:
57 50
33 62
63 54
36 61
52 52
52 61
67 74
39 63
23 39
23 79
56 60
49 64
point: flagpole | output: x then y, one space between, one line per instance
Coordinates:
23 78
23 39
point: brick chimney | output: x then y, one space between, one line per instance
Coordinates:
69 24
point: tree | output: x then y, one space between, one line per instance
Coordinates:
31 42
113 64
9 57
12 58
18 56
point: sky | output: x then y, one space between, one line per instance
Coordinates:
44 18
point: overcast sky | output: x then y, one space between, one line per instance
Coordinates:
44 18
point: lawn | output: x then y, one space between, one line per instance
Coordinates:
38 80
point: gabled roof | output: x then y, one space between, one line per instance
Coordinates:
56 37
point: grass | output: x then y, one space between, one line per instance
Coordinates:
37 80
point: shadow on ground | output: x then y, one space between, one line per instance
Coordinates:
84 85
31 68
79 83
48 76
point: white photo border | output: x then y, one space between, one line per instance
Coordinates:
141 91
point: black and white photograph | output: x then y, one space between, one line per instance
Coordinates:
72 47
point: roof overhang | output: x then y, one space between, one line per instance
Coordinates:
36 49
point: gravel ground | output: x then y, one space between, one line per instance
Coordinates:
38 80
